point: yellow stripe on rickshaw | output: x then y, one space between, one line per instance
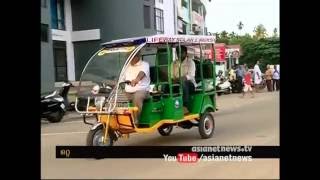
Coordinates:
166 121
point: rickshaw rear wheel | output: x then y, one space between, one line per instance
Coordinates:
95 137
165 130
206 125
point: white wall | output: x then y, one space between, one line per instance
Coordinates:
86 35
60 35
168 14
69 44
169 17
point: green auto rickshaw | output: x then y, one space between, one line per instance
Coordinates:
101 89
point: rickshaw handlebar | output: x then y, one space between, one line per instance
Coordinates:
125 82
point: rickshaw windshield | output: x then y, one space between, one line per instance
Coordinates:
106 65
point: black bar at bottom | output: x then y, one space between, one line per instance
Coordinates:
160 151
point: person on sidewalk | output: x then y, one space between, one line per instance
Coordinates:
276 78
268 74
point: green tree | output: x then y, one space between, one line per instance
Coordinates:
223 37
217 35
267 49
240 26
232 35
224 34
241 39
275 33
260 32
254 48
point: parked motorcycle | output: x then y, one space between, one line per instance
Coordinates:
236 85
223 85
54 105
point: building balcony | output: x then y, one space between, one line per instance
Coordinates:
200 6
197 19
183 13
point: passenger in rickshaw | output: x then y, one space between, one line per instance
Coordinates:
138 74
188 70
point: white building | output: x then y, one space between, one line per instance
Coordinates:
77 28
180 16
63 32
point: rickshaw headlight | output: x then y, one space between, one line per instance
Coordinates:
95 89
99 101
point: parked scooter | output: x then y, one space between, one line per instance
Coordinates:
222 84
54 105
236 85
64 91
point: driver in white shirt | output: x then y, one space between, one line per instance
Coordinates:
138 73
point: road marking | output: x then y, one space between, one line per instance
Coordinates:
63 133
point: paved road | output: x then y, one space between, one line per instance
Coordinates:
248 121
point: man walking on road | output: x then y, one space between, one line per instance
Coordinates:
257 75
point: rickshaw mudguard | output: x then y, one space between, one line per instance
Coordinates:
96 126
201 102
208 103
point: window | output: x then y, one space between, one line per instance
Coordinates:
159 20
60 60
146 15
44 3
184 3
57 14
183 28
44 32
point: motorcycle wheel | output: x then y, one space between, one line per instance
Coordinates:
56 116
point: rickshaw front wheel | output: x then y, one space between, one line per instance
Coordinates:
206 125
95 137
165 130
